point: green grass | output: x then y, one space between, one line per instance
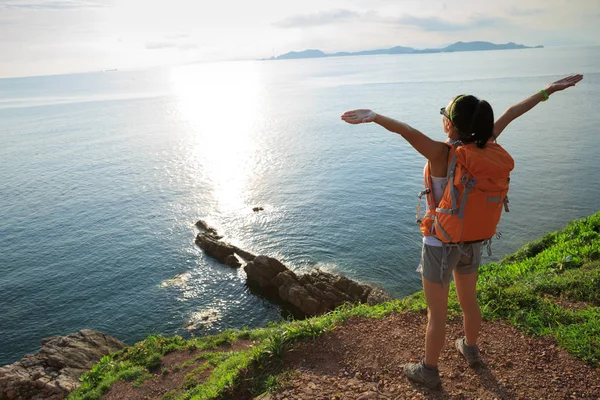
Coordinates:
135 363
531 287
550 287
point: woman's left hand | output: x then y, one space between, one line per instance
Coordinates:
564 83
359 116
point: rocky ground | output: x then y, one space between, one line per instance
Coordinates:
363 359
54 371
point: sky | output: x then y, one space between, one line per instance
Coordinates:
45 37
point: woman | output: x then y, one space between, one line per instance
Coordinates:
468 120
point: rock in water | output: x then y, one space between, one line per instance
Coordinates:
203 226
232 261
222 251
263 271
213 247
54 371
312 294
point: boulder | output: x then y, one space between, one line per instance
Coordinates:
263 270
232 261
378 296
214 247
203 226
220 250
312 294
54 371
247 256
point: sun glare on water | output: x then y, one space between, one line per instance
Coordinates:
222 104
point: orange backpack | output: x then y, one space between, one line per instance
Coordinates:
474 194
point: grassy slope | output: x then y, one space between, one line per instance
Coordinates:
549 287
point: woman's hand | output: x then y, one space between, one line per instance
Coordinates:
563 83
515 111
358 116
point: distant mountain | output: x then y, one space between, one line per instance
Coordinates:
478 46
393 50
302 54
458 46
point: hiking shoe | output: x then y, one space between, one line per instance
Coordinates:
421 373
470 353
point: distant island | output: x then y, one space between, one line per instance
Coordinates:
458 46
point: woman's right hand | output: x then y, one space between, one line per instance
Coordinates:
359 116
563 83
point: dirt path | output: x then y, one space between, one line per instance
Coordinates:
364 359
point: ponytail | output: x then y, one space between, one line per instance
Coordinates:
473 119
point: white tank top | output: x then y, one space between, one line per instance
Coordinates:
437 183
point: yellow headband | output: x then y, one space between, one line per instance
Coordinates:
453 105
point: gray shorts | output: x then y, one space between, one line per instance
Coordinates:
465 260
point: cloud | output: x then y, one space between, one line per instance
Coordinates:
178 36
52 5
187 46
181 41
429 24
522 12
170 45
7 21
160 45
434 24
317 19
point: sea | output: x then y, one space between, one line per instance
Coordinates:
103 176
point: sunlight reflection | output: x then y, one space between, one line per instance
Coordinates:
221 102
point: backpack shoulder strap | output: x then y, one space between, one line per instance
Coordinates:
452 159
428 192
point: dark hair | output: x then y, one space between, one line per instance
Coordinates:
473 119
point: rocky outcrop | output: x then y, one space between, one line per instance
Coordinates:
312 294
224 252
210 241
205 227
54 371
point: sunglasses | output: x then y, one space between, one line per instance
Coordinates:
443 112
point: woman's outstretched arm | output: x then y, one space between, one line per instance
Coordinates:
431 149
515 111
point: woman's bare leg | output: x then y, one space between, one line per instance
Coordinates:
465 288
437 311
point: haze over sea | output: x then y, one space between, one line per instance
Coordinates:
103 176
